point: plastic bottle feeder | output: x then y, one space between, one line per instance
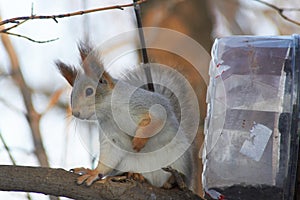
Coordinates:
251 131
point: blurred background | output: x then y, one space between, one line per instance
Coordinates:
36 126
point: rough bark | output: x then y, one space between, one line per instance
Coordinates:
59 182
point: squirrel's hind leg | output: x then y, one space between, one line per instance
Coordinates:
135 176
176 179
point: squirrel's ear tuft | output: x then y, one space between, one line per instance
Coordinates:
68 72
84 49
91 60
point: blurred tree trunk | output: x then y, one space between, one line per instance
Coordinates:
192 18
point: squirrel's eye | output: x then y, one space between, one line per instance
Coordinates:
103 81
89 91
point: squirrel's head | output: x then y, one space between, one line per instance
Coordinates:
89 82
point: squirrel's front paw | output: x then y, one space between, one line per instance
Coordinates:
88 176
139 143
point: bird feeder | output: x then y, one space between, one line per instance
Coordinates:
251 129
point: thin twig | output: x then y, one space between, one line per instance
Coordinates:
145 58
11 158
32 116
4 75
55 17
7 149
11 106
5 31
21 20
14 26
53 100
281 11
30 39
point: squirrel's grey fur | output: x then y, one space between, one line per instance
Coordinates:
118 110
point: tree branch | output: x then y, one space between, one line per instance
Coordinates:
7 149
281 11
59 182
32 116
21 20
55 17
30 39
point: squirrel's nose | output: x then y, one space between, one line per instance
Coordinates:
76 113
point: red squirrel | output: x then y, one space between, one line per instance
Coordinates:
139 131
